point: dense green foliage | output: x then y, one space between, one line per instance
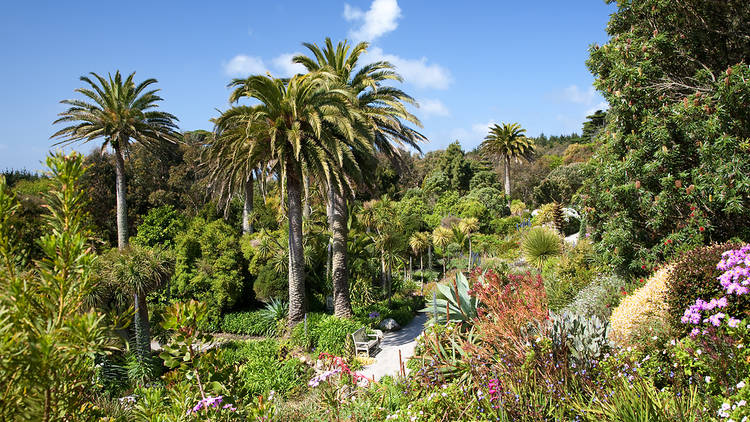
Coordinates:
678 117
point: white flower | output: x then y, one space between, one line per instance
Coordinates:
741 403
699 351
741 384
708 379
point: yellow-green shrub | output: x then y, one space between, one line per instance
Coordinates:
643 310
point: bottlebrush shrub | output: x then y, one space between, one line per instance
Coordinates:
512 304
645 308
694 277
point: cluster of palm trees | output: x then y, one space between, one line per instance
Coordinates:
317 129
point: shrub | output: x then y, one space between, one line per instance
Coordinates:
210 266
260 368
506 225
585 336
249 323
695 277
334 335
304 334
509 305
270 283
160 227
644 309
598 298
571 273
540 244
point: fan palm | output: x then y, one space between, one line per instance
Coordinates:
301 122
506 142
381 114
118 111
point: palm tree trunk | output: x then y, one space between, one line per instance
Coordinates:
296 255
306 207
339 267
411 273
142 325
507 178
421 273
122 207
247 209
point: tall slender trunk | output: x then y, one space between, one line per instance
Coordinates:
429 256
468 266
507 178
339 266
247 209
411 273
421 273
122 206
296 256
142 329
142 325
306 206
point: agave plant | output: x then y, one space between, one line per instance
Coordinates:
452 302
276 310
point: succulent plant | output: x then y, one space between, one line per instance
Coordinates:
584 336
452 302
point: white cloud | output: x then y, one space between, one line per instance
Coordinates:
380 19
415 71
432 107
482 129
242 65
574 94
283 63
603 105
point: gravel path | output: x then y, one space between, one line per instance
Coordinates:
386 359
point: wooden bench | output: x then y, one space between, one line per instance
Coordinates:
364 342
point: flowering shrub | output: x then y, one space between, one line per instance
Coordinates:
734 281
645 308
513 304
694 277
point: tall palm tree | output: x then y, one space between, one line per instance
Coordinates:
506 142
419 242
303 122
469 226
441 237
231 157
119 111
381 113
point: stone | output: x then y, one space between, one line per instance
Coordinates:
389 324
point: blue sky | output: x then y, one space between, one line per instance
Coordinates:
469 63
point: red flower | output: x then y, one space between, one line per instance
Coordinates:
641 280
643 267
701 228
692 214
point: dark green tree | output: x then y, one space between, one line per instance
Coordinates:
669 175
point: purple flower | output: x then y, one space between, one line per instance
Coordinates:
732 322
715 319
374 315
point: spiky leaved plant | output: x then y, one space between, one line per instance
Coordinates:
453 302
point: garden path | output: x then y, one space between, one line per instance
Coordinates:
386 360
